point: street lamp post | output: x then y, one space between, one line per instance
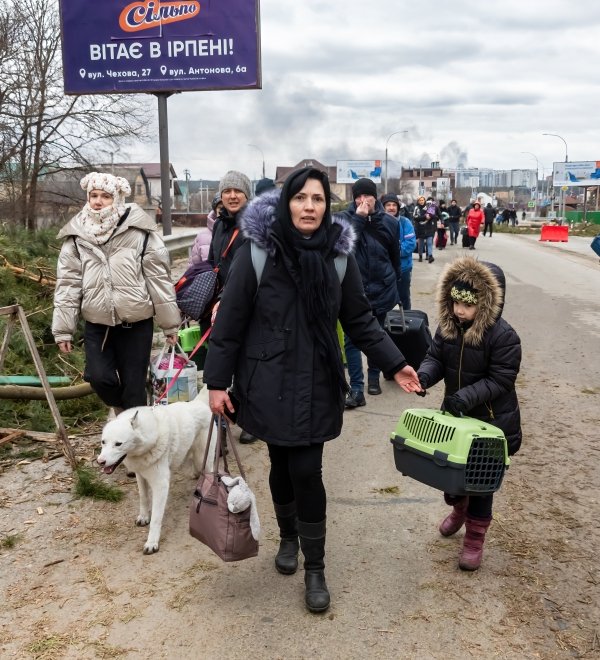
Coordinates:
560 137
561 203
263 158
386 157
537 178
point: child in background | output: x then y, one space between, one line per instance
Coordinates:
478 355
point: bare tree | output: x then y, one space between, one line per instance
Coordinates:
42 130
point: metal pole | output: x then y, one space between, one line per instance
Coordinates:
165 164
386 157
560 137
386 170
263 158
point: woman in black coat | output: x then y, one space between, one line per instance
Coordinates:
477 353
277 343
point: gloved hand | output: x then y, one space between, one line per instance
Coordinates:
454 405
424 384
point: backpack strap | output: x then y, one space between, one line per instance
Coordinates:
341 261
259 258
146 235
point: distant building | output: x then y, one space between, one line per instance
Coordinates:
60 195
339 191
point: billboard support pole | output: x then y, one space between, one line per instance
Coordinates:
165 165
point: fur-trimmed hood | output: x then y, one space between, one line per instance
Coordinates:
488 279
259 215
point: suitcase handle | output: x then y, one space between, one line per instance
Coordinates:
392 325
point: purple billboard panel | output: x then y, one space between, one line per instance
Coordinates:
119 46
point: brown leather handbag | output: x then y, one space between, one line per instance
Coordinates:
227 534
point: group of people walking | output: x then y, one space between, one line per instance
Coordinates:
274 356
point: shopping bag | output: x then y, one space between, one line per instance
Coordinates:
164 368
227 534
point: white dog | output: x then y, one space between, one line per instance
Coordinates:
152 441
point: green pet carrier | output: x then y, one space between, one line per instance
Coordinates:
459 455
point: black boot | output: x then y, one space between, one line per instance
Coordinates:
286 559
312 542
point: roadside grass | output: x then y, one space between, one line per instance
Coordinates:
88 484
10 541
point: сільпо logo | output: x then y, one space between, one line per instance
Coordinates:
152 13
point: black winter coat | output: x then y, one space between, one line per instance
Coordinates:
223 230
377 252
425 223
479 361
261 339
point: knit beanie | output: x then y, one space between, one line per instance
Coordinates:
364 187
237 181
116 186
263 185
462 291
390 197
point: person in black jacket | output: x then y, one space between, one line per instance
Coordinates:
234 191
377 252
425 221
454 211
489 214
277 342
478 355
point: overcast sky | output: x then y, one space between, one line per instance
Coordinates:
473 82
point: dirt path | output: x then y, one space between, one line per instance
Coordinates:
76 585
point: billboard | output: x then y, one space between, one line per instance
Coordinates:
348 171
578 173
156 46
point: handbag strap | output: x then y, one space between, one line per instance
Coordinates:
191 355
236 231
219 421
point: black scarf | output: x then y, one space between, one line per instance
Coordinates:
312 277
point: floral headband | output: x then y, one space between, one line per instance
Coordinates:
462 292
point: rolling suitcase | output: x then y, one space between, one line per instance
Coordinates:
410 332
465 237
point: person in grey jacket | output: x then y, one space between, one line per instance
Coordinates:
113 270
276 341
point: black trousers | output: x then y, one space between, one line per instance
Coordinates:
480 506
488 225
296 475
116 361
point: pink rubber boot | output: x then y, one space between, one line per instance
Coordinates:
472 550
456 519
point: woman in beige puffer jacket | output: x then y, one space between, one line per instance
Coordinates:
113 269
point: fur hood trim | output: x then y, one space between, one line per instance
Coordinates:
259 215
490 293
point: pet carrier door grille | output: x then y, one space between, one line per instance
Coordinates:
485 465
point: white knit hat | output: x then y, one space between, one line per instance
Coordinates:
116 186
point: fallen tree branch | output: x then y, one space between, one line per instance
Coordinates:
36 435
38 394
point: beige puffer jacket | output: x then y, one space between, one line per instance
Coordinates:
110 284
